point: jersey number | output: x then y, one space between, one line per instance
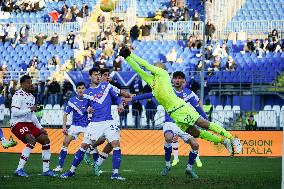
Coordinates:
23 130
114 127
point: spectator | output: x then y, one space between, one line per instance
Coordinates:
40 39
70 39
147 89
193 85
108 50
215 65
24 34
265 46
274 35
162 28
258 49
209 31
101 20
54 16
275 46
9 92
40 90
249 46
78 43
134 33
208 53
67 16
67 86
120 30
136 112
11 33
53 90
53 63
3 29
136 86
191 42
251 124
196 19
117 64
230 64
34 61
54 40
151 109
78 66
171 56
146 28
198 41
198 67
85 10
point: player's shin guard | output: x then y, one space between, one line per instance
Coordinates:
116 159
25 156
191 158
101 159
175 149
62 156
219 130
206 135
45 157
168 153
77 159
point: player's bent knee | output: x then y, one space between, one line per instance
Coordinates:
85 146
203 123
169 137
195 145
115 143
30 139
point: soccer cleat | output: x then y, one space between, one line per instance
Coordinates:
87 159
21 173
13 143
165 170
116 176
58 169
198 162
228 145
49 173
68 174
237 145
97 169
7 144
175 162
191 173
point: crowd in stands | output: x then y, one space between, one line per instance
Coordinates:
69 14
22 5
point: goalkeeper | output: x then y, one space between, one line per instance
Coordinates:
183 115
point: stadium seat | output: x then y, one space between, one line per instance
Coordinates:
267 107
114 113
159 116
276 108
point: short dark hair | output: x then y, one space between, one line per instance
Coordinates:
81 83
24 78
104 70
92 70
178 74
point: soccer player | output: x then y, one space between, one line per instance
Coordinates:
78 106
26 127
182 114
102 125
7 143
171 130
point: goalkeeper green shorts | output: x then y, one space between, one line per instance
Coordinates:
184 116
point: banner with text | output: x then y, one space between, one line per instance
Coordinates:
150 142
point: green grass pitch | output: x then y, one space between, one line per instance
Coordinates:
144 172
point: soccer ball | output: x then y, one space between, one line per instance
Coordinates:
107 5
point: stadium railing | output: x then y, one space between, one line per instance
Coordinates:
253 28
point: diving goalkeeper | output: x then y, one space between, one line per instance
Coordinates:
183 115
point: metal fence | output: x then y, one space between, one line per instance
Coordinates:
153 119
253 28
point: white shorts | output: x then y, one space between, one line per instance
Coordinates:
106 129
74 131
170 126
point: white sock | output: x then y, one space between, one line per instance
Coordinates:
72 169
168 163
189 167
115 171
94 150
25 156
175 149
45 157
102 158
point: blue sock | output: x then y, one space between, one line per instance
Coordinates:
78 157
95 156
1 133
62 156
116 158
192 156
168 152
